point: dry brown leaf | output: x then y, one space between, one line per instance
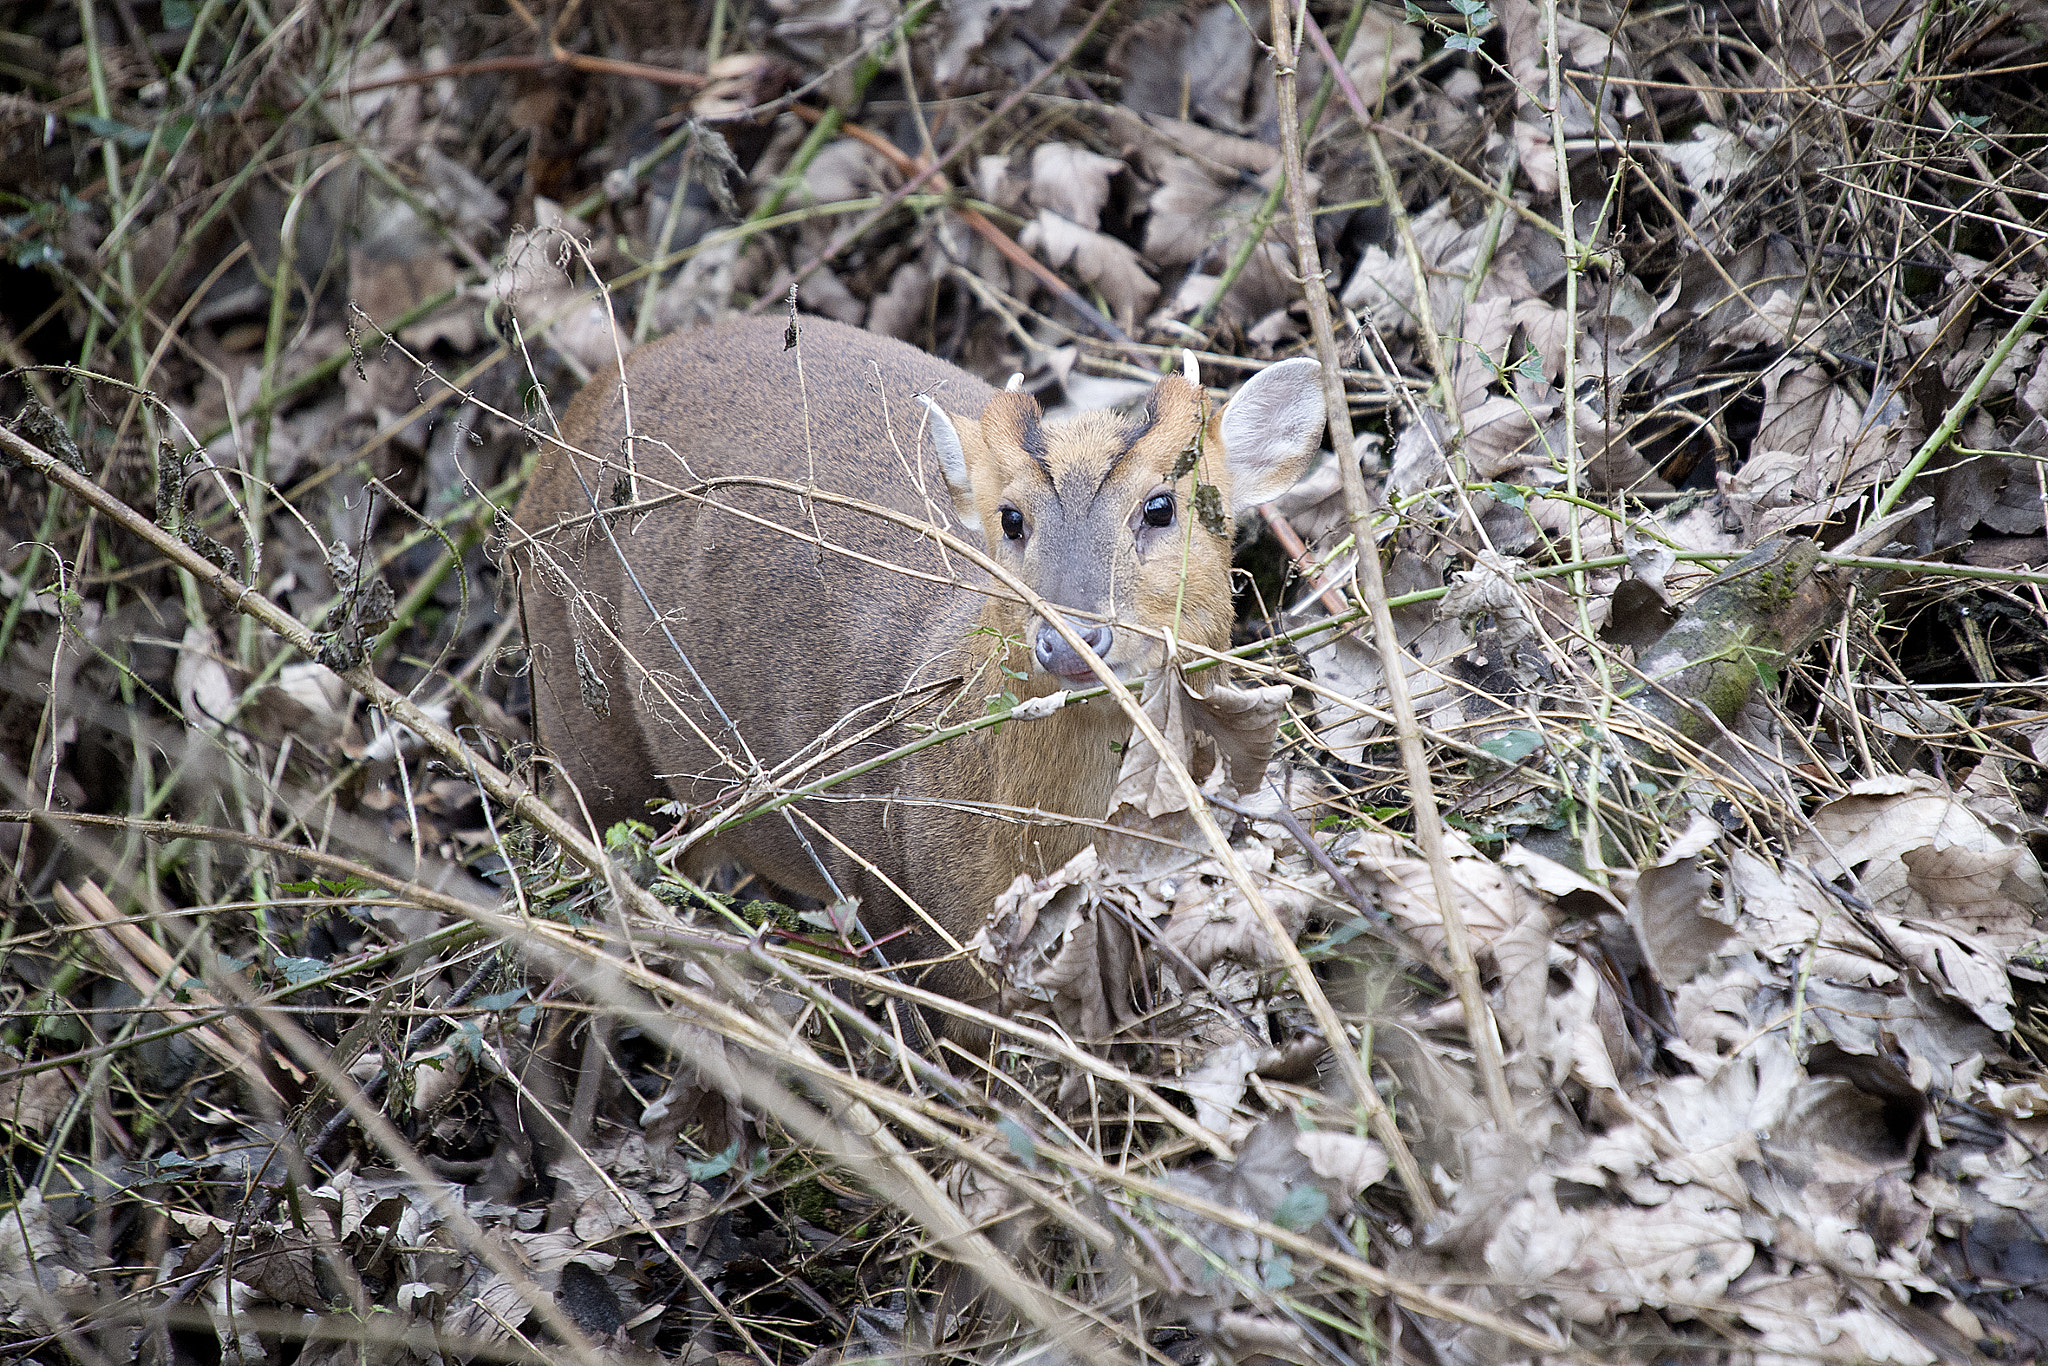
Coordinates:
1235 726
1096 259
1969 970
963 27
1615 1260
1881 819
1351 1160
31 1104
1383 46
1580 45
1491 901
1060 950
1500 443
1218 66
1175 63
1672 914
1211 923
1185 220
1072 182
899 311
1158 137
845 168
1480 354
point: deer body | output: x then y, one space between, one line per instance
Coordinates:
712 646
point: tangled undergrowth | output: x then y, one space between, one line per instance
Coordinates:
1666 869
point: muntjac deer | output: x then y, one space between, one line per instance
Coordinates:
733 639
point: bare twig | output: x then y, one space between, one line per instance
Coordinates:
1479 1023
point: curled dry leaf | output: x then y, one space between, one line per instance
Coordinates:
1176 63
1061 949
1490 900
1204 213
533 281
899 310
1211 922
38 1258
964 27
990 1204
1230 727
1673 916
1713 159
1350 1160
1270 1178
843 169
1871 830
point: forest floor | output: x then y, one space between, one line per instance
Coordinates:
1666 872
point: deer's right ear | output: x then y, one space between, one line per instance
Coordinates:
953 460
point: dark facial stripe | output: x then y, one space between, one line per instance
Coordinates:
1133 434
1032 439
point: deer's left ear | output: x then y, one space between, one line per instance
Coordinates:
953 461
1271 430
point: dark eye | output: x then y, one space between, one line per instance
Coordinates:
1013 524
1159 510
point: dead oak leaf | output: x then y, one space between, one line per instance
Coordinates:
1236 726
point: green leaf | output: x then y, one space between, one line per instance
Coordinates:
1346 932
1302 1207
627 834
178 14
503 1000
299 971
1462 42
717 1165
1277 1273
1511 747
113 130
1022 1146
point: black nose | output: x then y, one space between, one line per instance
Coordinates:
1057 657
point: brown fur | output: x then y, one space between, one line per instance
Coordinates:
796 643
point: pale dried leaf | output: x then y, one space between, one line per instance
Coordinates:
963 26
1674 920
1384 45
1072 182
1490 900
1881 819
1234 725
1060 948
1212 923
1096 259
1351 1160
1615 1260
